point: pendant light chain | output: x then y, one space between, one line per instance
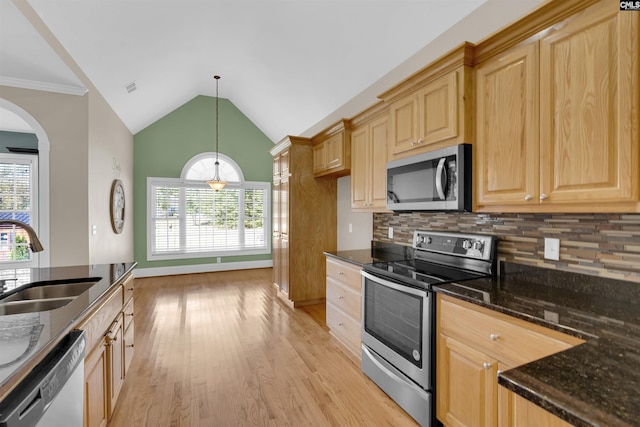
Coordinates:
216 183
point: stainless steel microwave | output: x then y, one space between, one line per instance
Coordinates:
439 180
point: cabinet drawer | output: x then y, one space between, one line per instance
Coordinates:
510 340
347 330
127 288
96 324
344 298
347 273
128 313
128 346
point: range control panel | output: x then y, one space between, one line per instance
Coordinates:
476 246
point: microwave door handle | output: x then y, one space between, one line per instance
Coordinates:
440 174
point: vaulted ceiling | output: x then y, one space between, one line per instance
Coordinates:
292 66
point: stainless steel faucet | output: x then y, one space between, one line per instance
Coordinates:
34 242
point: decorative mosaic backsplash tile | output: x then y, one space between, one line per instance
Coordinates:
606 245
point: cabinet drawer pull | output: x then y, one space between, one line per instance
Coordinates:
528 197
130 289
494 337
340 273
486 365
340 324
130 345
130 314
340 297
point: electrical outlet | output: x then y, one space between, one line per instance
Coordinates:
391 232
350 228
94 229
219 260
552 248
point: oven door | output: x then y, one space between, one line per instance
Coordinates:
397 323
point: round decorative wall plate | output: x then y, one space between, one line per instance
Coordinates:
117 206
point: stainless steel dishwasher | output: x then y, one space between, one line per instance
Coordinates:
52 394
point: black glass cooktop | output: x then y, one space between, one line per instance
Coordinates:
420 273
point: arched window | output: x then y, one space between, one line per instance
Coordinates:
187 219
201 167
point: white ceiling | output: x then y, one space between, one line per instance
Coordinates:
292 67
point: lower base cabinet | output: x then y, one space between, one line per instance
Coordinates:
344 299
109 337
95 388
473 345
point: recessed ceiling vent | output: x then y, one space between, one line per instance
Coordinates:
131 87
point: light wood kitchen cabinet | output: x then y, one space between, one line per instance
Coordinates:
557 118
344 301
432 108
304 222
473 345
332 151
95 388
114 341
108 328
369 160
523 413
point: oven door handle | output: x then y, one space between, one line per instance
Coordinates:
398 287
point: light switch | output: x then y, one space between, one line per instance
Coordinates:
94 229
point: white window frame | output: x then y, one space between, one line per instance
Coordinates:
182 184
32 160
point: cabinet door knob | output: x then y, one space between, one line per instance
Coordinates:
340 297
130 345
340 273
340 323
420 141
528 197
486 365
494 337
543 196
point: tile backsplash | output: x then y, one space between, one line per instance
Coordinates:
606 245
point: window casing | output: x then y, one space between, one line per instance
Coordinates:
187 219
18 201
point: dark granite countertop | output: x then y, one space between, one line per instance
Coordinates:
593 384
379 251
24 337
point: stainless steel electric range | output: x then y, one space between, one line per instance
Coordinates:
398 327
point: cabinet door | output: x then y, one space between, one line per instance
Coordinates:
284 237
506 150
439 110
360 166
115 362
589 103
379 131
404 124
319 159
523 413
95 387
334 151
466 385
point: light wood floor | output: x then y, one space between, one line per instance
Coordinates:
220 349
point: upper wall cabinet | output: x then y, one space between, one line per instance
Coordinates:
332 151
557 118
369 134
432 108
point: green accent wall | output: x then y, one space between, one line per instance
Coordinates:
163 148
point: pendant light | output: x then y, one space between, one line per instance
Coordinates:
216 183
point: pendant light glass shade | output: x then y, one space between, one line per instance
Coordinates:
216 183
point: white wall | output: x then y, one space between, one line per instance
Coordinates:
361 233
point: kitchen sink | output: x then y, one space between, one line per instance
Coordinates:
43 292
32 306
